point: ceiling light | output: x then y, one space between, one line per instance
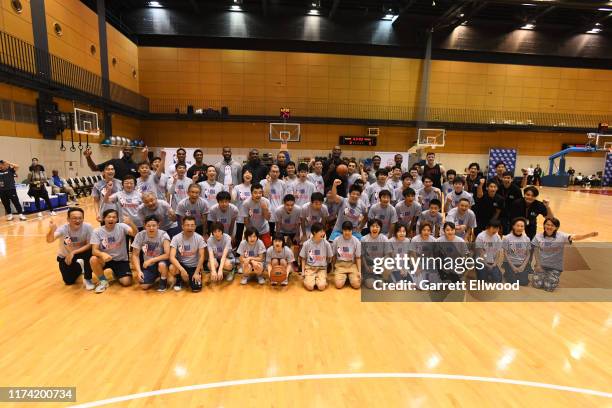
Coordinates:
529 4
604 9
390 17
313 12
461 15
528 26
464 23
154 4
235 7
594 30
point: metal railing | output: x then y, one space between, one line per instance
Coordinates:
20 58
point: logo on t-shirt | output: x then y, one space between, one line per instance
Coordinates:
315 256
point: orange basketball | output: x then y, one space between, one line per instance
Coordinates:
342 170
278 274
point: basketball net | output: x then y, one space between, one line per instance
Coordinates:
284 140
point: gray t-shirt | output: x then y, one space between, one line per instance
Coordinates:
288 223
215 214
128 205
350 212
489 245
346 250
148 185
278 190
316 254
455 248
251 250
302 191
405 213
399 247
151 247
178 190
551 249
71 240
187 249
425 197
196 209
243 193
310 215
218 246
421 246
112 242
161 212
353 178
447 187
468 219
253 210
318 182
162 186
453 199
209 192
99 191
375 247
373 190
434 219
286 254
517 249
387 215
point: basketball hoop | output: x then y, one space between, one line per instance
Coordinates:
284 139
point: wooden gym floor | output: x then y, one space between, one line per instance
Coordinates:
126 341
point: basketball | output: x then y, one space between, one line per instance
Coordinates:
342 170
278 274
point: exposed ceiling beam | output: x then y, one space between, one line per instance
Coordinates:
570 4
471 13
600 19
451 13
402 11
533 19
334 8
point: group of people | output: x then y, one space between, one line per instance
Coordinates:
207 222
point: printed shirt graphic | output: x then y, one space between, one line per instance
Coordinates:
406 213
247 250
316 254
99 191
350 212
209 192
112 242
318 182
243 193
151 247
387 215
196 209
346 250
285 254
128 205
289 223
375 247
71 240
302 192
434 219
225 218
551 249
218 246
490 244
311 215
468 219
399 247
453 199
517 248
426 196
179 192
161 212
187 248
148 185
253 210
278 190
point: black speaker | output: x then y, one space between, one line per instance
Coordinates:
48 116
190 109
224 111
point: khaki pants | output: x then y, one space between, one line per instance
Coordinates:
344 269
315 275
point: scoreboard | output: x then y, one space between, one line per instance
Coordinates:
357 140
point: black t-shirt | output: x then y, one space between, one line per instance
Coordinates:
471 186
7 179
122 167
510 195
434 173
258 170
571 172
194 169
520 209
537 172
330 176
486 207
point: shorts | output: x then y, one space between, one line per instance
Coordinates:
315 276
195 286
120 269
151 273
344 270
266 239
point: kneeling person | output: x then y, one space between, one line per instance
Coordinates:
279 260
347 258
109 249
155 246
316 253
187 256
220 255
251 251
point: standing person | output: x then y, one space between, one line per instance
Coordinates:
225 213
74 247
197 171
229 171
281 162
398 194
108 184
537 175
240 194
571 173
347 258
373 190
376 160
211 187
510 192
291 178
351 209
251 251
500 169
274 190
395 181
517 253
428 193
162 211
8 192
488 247
126 201
433 216
148 182
37 180
59 185
384 212
416 183
399 160
279 261
155 246
109 249
315 255
354 172
196 207
178 185
448 185
529 208
187 256
489 206
220 255
408 210
256 167
314 211
256 213
464 220
157 166
399 244
181 157
456 194
288 222
302 189
329 169
433 170
123 166
549 248
473 178
530 174
316 177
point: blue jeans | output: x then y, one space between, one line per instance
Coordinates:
489 274
336 233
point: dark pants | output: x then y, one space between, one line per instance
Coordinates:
272 228
8 197
239 232
36 194
71 272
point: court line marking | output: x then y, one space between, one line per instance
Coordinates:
291 378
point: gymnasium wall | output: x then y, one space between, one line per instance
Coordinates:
16 24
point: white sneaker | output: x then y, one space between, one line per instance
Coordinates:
82 263
102 286
88 284
261 280
9 217
53 213
22 217
39 215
